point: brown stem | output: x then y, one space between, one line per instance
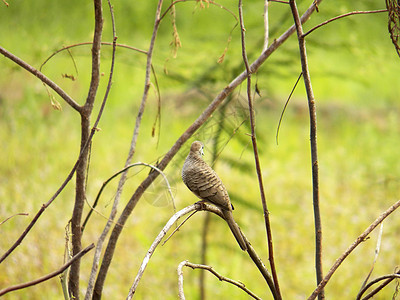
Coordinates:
257 160
313 141
343 16
215 273
81 171
389 277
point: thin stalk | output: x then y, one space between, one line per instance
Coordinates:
313 141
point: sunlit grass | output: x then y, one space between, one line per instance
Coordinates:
356 86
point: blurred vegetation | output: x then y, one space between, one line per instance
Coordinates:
354 71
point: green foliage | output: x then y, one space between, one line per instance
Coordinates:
354 70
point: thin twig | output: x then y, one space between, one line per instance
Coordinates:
376 280
48 276
109 252
105 183
381 286
361 238
89 43
313 145
212 271
271 257
19 214
343 16
43 78
285 106
266 25
377 248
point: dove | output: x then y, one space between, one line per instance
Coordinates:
204 182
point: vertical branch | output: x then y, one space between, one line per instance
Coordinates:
266 25
81 171
98 287
313 141
96 259
256 157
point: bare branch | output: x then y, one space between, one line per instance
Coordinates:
266 25
313 145
48 276
359 240
82 169
285 106
257 160
212 271
377 249
43 78
343 16
156 242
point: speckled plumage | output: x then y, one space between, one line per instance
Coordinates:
202 180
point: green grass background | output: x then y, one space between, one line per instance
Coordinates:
354 70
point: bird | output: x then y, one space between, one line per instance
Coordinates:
204 182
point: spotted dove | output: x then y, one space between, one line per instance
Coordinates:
202 180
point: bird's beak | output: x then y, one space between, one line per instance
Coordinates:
201 151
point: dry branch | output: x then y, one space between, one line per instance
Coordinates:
48 276
212 271
313 145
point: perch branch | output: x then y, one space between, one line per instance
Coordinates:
271 257
212 271
197 207
48 276
109 252
359 240
313 145
154 245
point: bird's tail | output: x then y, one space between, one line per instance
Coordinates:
237 233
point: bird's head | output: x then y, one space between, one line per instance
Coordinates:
197 148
